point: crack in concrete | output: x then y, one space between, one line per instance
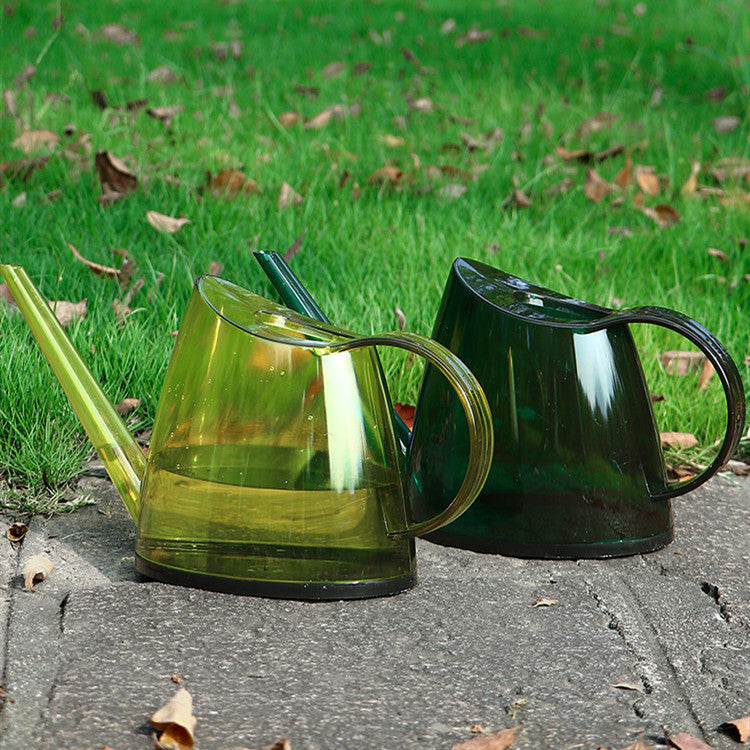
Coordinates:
6 698
713 591
652 659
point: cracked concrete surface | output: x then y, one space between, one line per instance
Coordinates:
631 646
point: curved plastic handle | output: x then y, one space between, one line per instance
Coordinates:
476 409
725 368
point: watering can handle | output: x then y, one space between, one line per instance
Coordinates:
475 407
725 368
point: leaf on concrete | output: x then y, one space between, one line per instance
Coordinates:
677 362
176 722
231 183
282 744
494 741
36 569
162 223
127 406
114 176
595 188
288 197
738 728
16 532
118 34
628 686
388 175
67 312
639 744
34 140
684 741
543 601
678 439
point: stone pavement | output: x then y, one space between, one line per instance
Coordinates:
630 647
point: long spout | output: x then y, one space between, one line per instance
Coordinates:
297 298
121 455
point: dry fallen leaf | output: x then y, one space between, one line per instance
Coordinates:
67 312
400 318
678 362
116 33
33 140
289 119
386 176
288 197
647 181
726 124
582 155
293 249
663 214
684 741
740 728
678 439
543 601
16 532
472 36
691 185
176 721
706 374
127 405
628 686
406 412
162 223
22 169
36 569
595 188
108 272
333 69
114 176
282 744
624 177
165 114
716 253
495 741
230 183
162 74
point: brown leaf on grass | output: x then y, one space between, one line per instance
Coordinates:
388 175
691 184
67 312
114 176
289 119
725 124
165 114
288 197
162 74
333 69
731 168
582 155
472 36
294 247
335 111
176 722
595 188
625 176
421 104
663 215
684 741
707 372
494 741
452 191
36 569
406 412
163 223
16 532
107 272
34 140
719 254
484 142
717 94
22 169
677 362
231 183
28 72
517 198
647 181
560 187
678 439
127 406
400 318
392 141
600 121
118 34
738 728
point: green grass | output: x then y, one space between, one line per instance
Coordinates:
392 246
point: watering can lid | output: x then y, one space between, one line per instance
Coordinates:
523 299
261 317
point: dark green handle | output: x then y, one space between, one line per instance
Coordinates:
725 368
297 298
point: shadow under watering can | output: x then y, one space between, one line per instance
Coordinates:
273 467
577 469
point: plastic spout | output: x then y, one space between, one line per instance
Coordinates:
297 298
123 459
